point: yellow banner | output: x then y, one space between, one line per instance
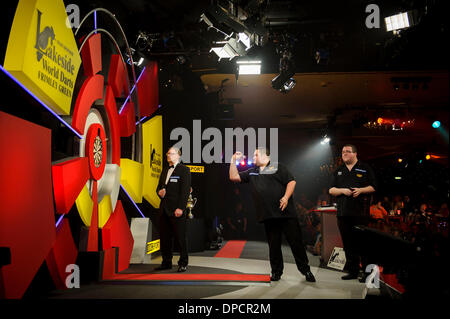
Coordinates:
152 155
153 246
196 169
42 52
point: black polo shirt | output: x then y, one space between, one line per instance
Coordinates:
267 189
361 175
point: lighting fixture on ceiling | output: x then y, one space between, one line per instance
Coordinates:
400 21
436 124
284 82
325 140
245 39
138 59
249 67
231 49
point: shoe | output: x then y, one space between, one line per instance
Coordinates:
275 277
310 277
182 268
350 276
163 267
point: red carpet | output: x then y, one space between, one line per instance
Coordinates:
189 277
232 249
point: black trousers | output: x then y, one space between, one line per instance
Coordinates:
291 229
173 228
352 245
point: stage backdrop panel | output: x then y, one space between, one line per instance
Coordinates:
27 220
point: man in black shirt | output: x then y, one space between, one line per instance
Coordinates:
272 186
351 184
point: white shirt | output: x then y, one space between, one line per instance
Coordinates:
170 171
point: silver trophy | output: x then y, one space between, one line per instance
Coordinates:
190 205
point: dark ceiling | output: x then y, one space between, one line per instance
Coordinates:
354 85
335 26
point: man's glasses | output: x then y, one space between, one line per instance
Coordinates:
174 153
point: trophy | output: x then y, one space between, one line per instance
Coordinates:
190 205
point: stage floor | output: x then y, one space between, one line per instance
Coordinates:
253 260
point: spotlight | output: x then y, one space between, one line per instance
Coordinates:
288 85
427 157
138 59
399 21
181 59
242 163
400 160
283 82
436 124
249 163
249 67
245 39
325 140
230 50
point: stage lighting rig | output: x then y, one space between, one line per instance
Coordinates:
146 41
226 18
400 21
229 49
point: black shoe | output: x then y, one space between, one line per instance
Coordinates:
310 277
275 277
350 276
182 268
163 267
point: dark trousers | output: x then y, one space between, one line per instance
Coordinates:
352 246
291 229
171 228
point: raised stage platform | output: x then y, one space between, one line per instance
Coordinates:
240 270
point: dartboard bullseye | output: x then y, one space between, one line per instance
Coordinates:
98 151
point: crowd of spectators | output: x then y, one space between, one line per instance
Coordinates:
420 221
408 219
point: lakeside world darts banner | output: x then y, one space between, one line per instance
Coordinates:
42 53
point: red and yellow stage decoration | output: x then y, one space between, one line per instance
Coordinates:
34 190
